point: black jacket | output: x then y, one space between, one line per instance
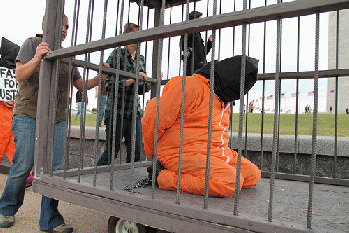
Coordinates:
197 48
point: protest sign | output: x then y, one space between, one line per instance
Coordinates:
8 84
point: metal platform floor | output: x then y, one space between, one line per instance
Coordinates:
330 202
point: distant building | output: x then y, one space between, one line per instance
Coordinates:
343 61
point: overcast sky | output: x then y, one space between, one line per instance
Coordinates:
21 19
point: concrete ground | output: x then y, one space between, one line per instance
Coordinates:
81 219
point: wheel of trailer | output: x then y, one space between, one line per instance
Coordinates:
119 225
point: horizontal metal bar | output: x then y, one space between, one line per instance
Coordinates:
294 75
100 169
306 74
304 178
157 3
256 15
199 218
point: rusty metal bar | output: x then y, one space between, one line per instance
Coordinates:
97 151
178 200
336 105
241 116
276 118
314 136
159 76
208 157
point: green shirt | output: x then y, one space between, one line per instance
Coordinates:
125 96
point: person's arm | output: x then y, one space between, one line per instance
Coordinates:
129 82
8 103
91 83
96 88
209 44
24 71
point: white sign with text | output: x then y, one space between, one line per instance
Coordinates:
8 84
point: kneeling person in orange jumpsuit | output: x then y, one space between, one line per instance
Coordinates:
223 160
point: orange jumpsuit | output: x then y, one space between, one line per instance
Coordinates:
7 145
195 138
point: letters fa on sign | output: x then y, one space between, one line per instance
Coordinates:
8 84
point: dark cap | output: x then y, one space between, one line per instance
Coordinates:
194 15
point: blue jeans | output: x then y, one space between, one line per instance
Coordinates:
81 109
103 107
23 161
105 158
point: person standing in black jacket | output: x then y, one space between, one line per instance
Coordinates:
197 50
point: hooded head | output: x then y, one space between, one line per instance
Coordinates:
227 75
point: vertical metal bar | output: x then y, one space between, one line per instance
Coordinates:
234 31
295 161
123 88
232 103
192 65
84 93
67 137
336 105
69 99
180 54
220 33
145 62
122 116
205 41
155 47
242 88
246 124
247 99
158 83
76 23
207 172
53 109
169 49
279 101
315 113
263 95
262 127
278 127
178 196
114 96
84 98
146 43
277 94
135 100
96 156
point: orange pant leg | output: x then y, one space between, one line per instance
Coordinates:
222 177
249 171
7 145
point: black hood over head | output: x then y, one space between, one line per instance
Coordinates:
9 51
227 75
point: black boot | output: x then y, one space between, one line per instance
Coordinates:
158 169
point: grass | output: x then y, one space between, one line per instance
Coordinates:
325 124
90 120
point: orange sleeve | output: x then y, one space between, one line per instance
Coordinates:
169 111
